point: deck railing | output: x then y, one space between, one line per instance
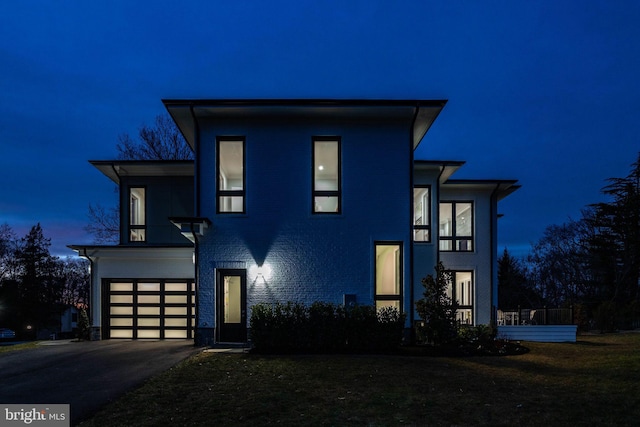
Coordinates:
536 316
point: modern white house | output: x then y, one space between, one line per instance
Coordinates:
290 200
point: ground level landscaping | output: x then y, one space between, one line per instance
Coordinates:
595 381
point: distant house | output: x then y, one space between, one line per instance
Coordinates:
69 320
290 200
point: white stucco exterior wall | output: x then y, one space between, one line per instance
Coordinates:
135 263
480 260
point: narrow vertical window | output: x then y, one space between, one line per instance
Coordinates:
460 290
230 166
326 176
388 275
137 215
456 226
464 226
422 214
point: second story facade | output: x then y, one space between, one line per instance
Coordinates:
303 200
149 192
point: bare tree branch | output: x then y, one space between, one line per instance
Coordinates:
104 224
162 141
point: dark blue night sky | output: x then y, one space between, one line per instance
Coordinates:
544 92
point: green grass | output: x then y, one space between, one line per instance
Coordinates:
595 381
16 347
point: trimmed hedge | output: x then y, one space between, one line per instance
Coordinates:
324 328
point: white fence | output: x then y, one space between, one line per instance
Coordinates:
539 333
536 316
537 324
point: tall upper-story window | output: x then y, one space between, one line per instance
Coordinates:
327 188
137 214
230 168
456 226
422 213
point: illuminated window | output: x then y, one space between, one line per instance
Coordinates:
456 226
230 168
326 176
422 214
460 290
137 215
388 274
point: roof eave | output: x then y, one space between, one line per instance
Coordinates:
185 111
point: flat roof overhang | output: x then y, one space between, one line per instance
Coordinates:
420 113
114 169
127 251
191 227
502 187
445 168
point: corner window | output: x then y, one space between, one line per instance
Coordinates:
456 226
230 168
422 213
460 290
388 275
326 176
137 214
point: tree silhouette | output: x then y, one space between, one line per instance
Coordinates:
163 141
513 287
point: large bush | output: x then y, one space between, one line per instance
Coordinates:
437 310
324 328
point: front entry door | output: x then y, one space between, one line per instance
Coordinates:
232 301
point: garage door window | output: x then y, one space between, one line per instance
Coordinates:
149 309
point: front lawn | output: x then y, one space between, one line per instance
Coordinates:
595 381
17 347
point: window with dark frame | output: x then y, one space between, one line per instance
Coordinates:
422 213
460 290
388 275
137 214
327 186
456 226
230 172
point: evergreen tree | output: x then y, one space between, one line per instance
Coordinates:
40 279
513 287
617 243
436 309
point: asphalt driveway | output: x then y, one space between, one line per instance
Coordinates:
86 375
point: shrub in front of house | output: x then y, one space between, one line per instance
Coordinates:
324 328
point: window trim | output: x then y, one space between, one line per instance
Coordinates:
131 227
429 215
382 297
326 193
454 238
231 193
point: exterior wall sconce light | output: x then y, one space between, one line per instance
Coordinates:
260 273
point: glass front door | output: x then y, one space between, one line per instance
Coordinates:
232 312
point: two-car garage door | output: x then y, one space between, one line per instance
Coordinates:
153 309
